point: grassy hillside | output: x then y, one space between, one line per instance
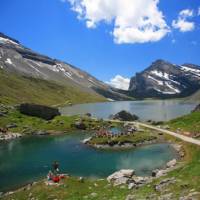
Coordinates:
16 89
188 123
26 124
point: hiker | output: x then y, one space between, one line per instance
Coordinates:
55 166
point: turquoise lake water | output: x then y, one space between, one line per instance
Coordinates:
28 159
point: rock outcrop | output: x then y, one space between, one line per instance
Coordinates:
164 183
80 125
9 136
161 172
127 176
125 116
40 111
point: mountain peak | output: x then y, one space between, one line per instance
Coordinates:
160 61
163 79
161 65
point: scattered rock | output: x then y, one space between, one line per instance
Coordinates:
179 149
93 194
81 179
121 181
130 197
131 186
96 185
40 132
2 114
166 197
171 163
9 136
169 167
191 196
127 177
164 183
138 180
152 197
158 173
128 173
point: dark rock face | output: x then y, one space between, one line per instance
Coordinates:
165 80
41 111
197 109
125 116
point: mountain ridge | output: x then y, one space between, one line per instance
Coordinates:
16 58
165 80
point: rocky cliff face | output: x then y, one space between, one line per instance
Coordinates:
16 58
165 80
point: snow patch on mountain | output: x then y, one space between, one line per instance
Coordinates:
164 92
174 90
154 79
8 61
191 70
160 74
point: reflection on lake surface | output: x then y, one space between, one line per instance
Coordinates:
27 159
157 110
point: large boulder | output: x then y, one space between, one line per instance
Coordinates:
40 111
125 116
121 177
171 163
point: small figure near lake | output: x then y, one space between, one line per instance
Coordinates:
53 176
55 166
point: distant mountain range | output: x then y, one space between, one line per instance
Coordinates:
161 80
165 80
17 59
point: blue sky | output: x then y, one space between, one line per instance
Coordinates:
100 41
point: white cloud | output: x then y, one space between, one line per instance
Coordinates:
135 21
186 13
182 23
199 11
119 82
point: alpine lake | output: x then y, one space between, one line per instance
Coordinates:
29 159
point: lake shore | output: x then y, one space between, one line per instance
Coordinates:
139 181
